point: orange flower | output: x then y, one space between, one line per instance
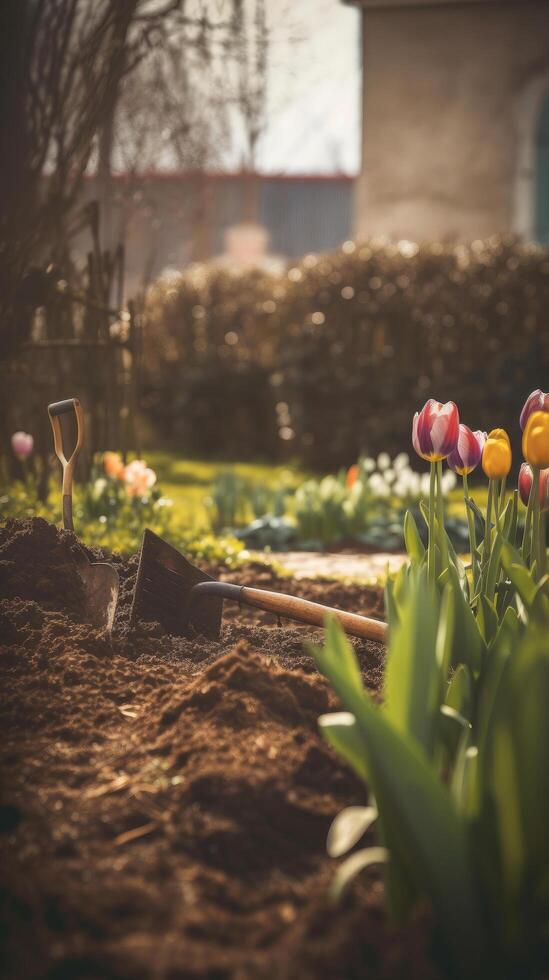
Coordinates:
353 474
113 465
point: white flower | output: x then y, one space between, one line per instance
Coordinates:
401 461
413 480
383 461
400 488
378 485
448 481
424 484
369 465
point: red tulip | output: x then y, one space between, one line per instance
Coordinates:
435 430
525 485
537 401
468 452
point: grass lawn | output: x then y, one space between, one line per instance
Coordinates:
188 481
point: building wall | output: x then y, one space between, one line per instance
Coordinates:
170 220
449 112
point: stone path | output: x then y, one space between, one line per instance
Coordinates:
360 567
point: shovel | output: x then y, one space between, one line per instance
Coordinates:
100 580
175 593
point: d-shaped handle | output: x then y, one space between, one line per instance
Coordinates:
55 410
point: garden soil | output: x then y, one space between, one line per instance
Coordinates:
165 801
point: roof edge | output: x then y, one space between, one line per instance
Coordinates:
389 4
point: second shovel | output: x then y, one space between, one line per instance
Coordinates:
100 580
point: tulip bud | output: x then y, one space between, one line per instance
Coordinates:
22 444
537 401
496 455
535 439
435 430
468 452
525 485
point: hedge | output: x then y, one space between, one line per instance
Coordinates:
333 356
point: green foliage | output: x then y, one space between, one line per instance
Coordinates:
456 757
364 505
105 516
233 498
331 356
470 833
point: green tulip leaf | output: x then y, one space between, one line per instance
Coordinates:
469 644
419 822
414 545
348 828
451 728
391 608
514 778
520 575
473 506
487 618
459 695
465 778
348 870
413 675
494 567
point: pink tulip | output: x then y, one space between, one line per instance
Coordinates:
468 452
22 444
139 478
525 485
537 401
435 430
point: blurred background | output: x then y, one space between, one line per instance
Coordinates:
259 229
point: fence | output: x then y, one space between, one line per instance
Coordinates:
80 343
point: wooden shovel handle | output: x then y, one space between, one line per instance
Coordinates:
301 610
55 410
314 613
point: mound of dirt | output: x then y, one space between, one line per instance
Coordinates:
164 802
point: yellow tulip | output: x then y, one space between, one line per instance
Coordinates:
535 439
496 455
499 434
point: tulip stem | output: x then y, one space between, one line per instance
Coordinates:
431 546
527 536
500 500
440 506
536 530
543 542
496 503
472 530
488 530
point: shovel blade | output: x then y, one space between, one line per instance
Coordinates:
164 582
101 584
